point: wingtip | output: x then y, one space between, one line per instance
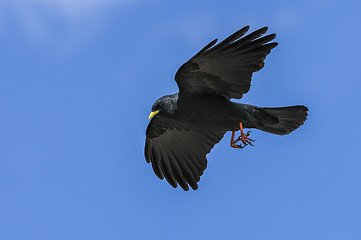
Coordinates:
245 28
262 30
194 187
185 187
213 42
272 36
274 44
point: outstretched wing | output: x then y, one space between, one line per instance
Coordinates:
226 69
178 152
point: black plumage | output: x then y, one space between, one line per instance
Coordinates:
185 126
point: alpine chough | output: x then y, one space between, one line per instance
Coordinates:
186 125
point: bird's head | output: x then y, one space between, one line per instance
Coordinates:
165 105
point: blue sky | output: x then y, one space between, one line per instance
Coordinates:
77 82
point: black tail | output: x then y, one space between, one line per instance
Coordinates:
284 119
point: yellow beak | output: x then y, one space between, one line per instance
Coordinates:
152 114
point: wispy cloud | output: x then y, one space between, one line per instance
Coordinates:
73 9
59 22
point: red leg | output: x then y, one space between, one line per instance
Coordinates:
233 142
243 138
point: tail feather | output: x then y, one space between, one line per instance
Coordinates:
284 119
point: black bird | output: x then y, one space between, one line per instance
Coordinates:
186 125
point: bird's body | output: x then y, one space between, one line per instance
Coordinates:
210 111
185 126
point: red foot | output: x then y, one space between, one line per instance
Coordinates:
243 138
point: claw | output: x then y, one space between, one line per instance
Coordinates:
237 146
246 142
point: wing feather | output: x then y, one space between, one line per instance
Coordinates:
178 152
165 164
226 69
